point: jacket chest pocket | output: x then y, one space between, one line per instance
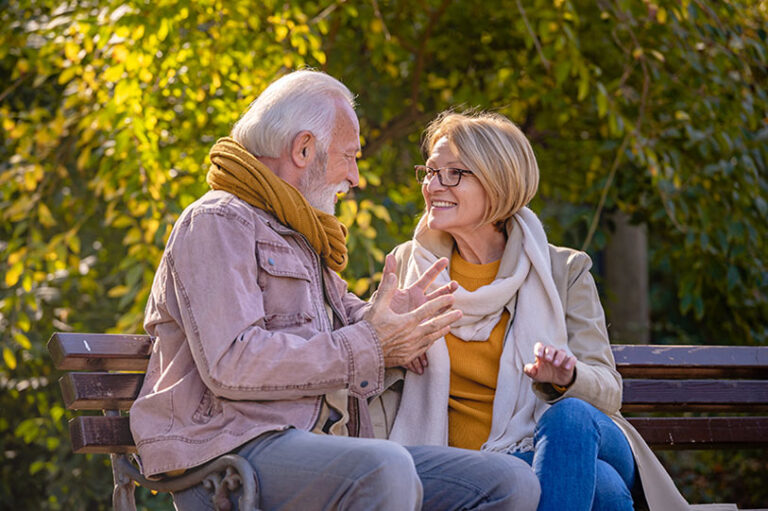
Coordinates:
287 287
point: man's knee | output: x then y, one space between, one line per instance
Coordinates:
520 484
387 469
389 459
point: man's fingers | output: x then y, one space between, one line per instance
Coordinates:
432 272
444 290
387 287
439 324
389 264
430 309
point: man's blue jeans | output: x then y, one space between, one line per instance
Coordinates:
297 470
582 460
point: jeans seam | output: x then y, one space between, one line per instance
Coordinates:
460 482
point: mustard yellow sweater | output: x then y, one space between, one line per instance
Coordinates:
474 366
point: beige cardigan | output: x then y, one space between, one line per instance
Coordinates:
597 380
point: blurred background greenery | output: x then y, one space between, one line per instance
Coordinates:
649 119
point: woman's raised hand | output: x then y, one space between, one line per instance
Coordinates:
552 365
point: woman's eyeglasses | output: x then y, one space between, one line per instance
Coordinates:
447 176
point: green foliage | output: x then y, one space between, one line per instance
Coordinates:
109 107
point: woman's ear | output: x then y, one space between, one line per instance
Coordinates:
303 149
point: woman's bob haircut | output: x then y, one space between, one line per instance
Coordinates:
496 151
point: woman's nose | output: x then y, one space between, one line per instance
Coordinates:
434 184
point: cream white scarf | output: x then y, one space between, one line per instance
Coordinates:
525 271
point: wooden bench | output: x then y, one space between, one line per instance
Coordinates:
729 381
108 371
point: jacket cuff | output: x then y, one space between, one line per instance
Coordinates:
366 360
546 392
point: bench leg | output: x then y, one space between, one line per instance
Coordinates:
122 493
219 477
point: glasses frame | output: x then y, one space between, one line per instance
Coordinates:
429 170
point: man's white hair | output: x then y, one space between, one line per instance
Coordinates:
299 101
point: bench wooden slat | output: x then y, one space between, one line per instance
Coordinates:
103 435
656 361
695 395
100 391
94 434
702 432
100 352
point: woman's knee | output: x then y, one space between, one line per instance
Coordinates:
568 415
570 408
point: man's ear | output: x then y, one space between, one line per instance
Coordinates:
303 149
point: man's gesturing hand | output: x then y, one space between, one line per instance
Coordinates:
406 323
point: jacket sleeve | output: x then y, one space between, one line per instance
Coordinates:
214 275
597 380
354 307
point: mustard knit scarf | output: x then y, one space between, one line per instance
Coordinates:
235 170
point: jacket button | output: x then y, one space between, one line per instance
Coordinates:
271 261
364 383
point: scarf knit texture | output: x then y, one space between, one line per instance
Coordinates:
235 170
525 271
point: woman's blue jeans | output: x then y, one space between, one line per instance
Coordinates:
582 460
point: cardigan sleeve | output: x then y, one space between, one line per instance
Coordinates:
597 380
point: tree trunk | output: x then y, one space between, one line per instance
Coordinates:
626 282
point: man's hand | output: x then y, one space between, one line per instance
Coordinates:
407 321
412 297
551 366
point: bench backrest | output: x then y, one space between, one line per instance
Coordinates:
713 379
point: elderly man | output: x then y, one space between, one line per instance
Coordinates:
262 351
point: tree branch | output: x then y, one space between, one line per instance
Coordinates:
421 54
536 41
396 128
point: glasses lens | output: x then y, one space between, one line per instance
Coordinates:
421 173
450 177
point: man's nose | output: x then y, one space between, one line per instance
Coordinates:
353 174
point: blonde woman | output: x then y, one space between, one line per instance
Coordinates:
528 370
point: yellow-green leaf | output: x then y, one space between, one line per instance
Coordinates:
117 291
9 358
22 321
13 274
45 216
22 340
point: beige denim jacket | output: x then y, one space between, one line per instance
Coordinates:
244 344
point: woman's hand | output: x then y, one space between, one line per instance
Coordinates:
551 366
418 364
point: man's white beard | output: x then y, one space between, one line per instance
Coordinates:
318 193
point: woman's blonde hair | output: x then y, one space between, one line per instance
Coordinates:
498 153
